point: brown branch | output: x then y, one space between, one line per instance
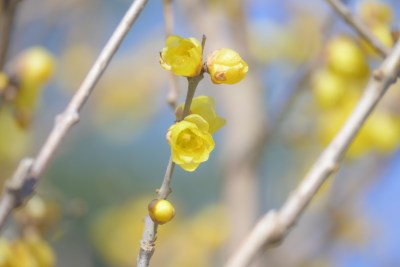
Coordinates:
13 196
147 244
274 226
8 10
358 26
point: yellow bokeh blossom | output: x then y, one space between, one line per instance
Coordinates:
190 141
346 58
3 81
182 56
329 88
28 251
41 250
383 33
226 66
384 132
35 65
5 253
372 12
205 107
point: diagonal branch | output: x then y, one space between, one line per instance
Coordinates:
274 226
14 196
359 26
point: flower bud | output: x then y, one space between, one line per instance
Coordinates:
346 58
226 66
36 65
161 211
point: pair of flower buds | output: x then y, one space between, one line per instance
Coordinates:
191 139
184 57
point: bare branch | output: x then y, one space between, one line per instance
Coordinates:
359 26
274 226
69 117
147 244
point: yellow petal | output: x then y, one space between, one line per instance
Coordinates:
182 56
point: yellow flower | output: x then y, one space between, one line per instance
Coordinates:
190 141
205 107
182 56
226 66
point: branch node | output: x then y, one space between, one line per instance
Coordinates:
70 118
279 229
20 186
378 75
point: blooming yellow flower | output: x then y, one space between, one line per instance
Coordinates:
226 66
205 107
190 141
182 56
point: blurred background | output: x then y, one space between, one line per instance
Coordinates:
307 69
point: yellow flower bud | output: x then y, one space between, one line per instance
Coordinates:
346 58
204 106
182 56
329 88
384 132
36 65
226 66
190 141
161 211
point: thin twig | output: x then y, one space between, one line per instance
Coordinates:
273 227
147 244
8 11
69 117
359 26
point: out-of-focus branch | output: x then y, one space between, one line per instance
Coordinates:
14 196
168 18
173 93
358 26
273 227
8 9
